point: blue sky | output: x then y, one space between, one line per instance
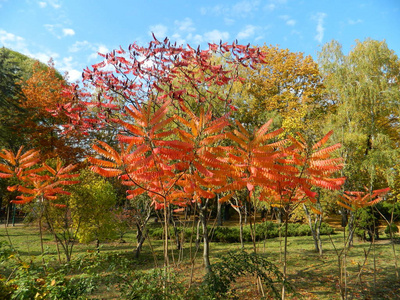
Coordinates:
72 32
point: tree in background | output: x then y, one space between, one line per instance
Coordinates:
15 69
10 97
287 87
91 203
37 184
364 90
44 91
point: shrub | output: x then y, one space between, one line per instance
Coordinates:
233 265
155 284
264 230
393 228
31 281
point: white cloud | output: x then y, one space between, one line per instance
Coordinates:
319 17
19 44
46 56
245 7
248 31
79 45
11 40
54 3
291 22
229 21
100 49
198 39
58 31
95 49
54 30
68 31
215 10
159 30
67 65
74 75
176 37
215 36
240 9
185 26
270 7
288 20
353 22
194 39
273 4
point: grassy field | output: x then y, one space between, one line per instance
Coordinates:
312 276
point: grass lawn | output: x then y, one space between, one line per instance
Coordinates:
312 276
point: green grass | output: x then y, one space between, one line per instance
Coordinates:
313 277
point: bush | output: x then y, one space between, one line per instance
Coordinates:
393 227
31 281
326 229
155 284
233 265
265 230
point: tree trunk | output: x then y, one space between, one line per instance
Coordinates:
166 233
239 211
285 255
391 236
140 236
219 213
140 240
315 228
206 241
351 230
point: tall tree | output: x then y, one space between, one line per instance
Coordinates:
364 90
10 76
10 97
44 91
286 86
15 69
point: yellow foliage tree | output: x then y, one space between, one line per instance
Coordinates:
287 87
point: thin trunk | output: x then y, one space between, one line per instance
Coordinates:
141 236
340 266
238 210
41 238
198 232
318 232
241 230
8 215
391 237
193 256
351 230
176 233
374 254
313 230
253 234
139 245
344 267
219 213
285 255
361 268
245 213
206 241
166 258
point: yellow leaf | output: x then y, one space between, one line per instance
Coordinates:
344 205
316 211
